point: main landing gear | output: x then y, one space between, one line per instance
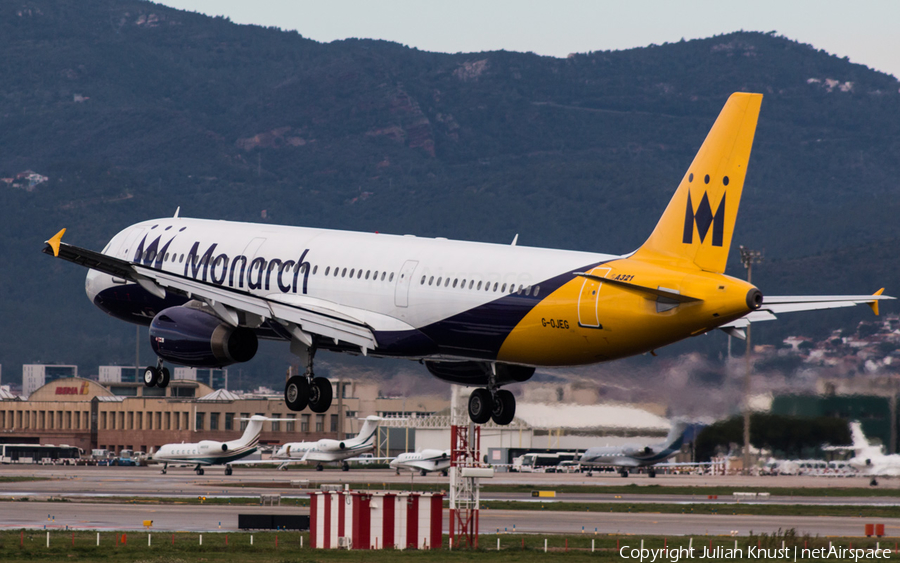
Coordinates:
492 403
228 470
156 376
198 470
307 390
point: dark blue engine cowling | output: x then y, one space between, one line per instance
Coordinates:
191 337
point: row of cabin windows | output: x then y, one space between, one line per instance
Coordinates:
525 290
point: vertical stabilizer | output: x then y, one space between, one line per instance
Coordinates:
250 437
368 430
675 439
698 223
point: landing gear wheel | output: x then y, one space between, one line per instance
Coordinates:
504 407
151 376
228 470
873 482
163 471
480 405
444 473
320 467
320 394
296 393
163 378
345 466
423 473
651 473
623 473
397 472
199 471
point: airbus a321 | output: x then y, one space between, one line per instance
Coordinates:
331 451
211 452
483 315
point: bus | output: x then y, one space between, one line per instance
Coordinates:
39 453
538 462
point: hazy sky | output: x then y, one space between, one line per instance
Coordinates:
866 32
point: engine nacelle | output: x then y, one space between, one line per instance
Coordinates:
327 445
192 337
476 373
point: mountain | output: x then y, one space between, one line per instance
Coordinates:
130 109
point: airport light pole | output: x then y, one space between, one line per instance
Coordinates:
748 258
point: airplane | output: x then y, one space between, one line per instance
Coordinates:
634 456
424 462
331 451
869 459
211 452
476 314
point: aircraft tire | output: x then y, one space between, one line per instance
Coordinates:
504 407
651 473
151 376
444 473
480 405
228 470
320 395
623 473
423 473
320 467
296 393
164 377
345 467
200 471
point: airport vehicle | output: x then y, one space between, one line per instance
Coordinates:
211 452
127 458
483 315
425 462
541 462
39 453
327 450
634 456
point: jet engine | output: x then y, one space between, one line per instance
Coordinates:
476 373
192 337
326 445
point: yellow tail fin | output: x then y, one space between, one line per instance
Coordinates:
699 220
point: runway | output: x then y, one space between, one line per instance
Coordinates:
78 484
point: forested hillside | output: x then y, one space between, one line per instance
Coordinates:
130 109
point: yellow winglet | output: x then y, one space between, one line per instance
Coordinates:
54 242
874 304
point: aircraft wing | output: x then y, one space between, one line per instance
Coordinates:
300 316
777 304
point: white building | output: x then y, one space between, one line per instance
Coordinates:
215 378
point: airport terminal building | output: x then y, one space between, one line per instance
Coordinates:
87 414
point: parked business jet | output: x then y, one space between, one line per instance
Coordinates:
869 459
211 452
424 462
634 456
483 315
331 451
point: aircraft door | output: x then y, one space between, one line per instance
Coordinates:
588 313
127 248
404 278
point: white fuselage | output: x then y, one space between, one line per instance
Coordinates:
211 452
426 460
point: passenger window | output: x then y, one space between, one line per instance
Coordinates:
367 273
495 286
351 272
390 279
447 282
423 280
471 283
315 269
454 282
375 276
344 273
337 270
181 259
439 282
359 274
431 280
383 274
479 286
537 288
